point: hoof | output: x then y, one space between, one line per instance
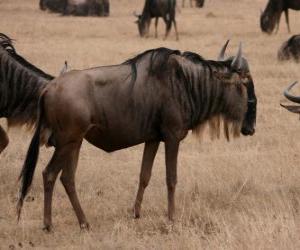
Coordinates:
47 229
136 214
85 226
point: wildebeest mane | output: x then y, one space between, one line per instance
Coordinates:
20 85
201 93
197 86
157 64
7 44
198 59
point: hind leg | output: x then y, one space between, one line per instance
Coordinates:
68 180
175 27
49 177
64 157
156 23
4 140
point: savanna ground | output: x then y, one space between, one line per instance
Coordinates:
239 195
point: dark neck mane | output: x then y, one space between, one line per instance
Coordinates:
20 85
204 97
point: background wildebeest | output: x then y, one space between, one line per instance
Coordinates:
20 86
290 49
270 17
77 7
157 96
166 9
296 99
199 3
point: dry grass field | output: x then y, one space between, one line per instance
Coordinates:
239 195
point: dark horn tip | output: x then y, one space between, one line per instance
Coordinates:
19 208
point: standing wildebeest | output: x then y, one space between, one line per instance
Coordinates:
199 3
77 7
290 49
21 84
296 99
155 9
158 96
271 15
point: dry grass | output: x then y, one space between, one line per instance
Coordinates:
239 195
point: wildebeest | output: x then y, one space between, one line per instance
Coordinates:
296 99
166 9
199 3
21 84
270 17
157 96
290 49
77 7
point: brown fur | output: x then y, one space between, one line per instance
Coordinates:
168 94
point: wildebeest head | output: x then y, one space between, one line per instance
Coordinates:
284 52
270 16
290 49
143 24
295 99
240 74
268 22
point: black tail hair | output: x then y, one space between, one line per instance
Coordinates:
29 166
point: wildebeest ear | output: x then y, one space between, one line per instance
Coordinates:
291 108
237 62
221 56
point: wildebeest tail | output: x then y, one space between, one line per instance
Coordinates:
28 169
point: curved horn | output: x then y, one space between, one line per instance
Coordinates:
221 56
290 97
237 61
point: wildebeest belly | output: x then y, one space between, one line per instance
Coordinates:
111 140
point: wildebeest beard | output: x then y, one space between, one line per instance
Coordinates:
208 92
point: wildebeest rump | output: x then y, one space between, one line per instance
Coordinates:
290 49
77 7
199 3
166 9
21 84
158 96
270 18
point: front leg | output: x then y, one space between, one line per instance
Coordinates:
286 12
277 24
4 140
171 151
156 23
